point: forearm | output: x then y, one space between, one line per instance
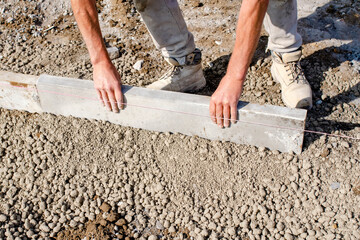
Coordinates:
87 18
248 29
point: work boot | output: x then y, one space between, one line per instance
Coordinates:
295 89
185 74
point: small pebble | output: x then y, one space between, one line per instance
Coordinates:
105 207
3 218
138 65
152 237
335 185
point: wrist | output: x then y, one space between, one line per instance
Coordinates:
236 70
235 77
101 59
102 64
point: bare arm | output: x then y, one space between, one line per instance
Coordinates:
224 101
107 80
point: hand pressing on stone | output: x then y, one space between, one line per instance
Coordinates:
107 80
223 104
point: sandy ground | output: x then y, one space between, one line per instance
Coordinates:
68 178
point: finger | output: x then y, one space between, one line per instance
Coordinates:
233 113
106 99
212 111
226 111
119 98
219 115
100 97
112 99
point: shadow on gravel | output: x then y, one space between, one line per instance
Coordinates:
214 73
336 21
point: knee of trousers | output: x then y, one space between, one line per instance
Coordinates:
140 5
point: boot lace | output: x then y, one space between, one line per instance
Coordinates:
296 73
172 71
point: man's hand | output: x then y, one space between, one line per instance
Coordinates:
223 103
107 82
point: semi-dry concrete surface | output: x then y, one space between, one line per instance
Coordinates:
69 178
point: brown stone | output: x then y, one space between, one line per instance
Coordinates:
356 190
91 227
112 217
103 222
120 222
325 153
105 207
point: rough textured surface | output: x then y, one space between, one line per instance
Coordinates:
56 172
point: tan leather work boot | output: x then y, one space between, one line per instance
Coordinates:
295 89
185 74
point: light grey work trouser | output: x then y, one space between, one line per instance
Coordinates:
165 22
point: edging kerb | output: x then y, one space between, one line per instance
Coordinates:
274 127
18 92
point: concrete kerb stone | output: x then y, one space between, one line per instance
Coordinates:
274 127
19 92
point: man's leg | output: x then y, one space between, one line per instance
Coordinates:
164 20
285 46
281 24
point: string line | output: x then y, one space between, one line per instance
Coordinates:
185 113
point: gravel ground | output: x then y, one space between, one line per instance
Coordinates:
69 178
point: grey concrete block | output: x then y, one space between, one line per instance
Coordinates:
273 127
18 91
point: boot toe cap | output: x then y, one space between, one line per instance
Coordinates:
298 97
